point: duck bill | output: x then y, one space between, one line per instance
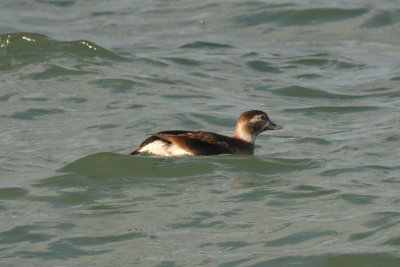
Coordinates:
273 126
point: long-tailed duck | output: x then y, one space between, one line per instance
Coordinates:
181 143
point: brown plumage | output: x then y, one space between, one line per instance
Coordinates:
180 143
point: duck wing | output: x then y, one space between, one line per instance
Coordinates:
154 137
197 142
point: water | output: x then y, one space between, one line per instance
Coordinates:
82 83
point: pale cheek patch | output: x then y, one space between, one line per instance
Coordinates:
255 119
164 149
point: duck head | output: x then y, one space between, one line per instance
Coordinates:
251 123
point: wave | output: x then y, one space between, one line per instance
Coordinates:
117 165
112 169
23 48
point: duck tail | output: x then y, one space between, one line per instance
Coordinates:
135 152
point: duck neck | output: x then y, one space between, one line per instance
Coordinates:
244 135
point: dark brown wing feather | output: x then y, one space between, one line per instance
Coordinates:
197 142
153 138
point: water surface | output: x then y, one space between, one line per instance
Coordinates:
82 83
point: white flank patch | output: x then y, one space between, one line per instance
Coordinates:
164 149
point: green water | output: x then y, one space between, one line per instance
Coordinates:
82 83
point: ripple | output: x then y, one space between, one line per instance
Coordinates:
382 18
153 62
186 96
32 113
118 85
167 80
309 76
198 220
324 61
135 106
205 45
298 238
383 220
23 233
98 240
184 61
306 191
233 245
358 199
240 262
36 99
265 166
383 92
105 13
60 250
255 195
263 66
361 235
76 100
332 109
67 199
54 72
343 259
393 138
62 3
304 92
108 209
12 193
103 126
63 181
250 54
6 97
300 17
392 242
369 168
314 140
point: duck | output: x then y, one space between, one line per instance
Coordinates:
173 143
